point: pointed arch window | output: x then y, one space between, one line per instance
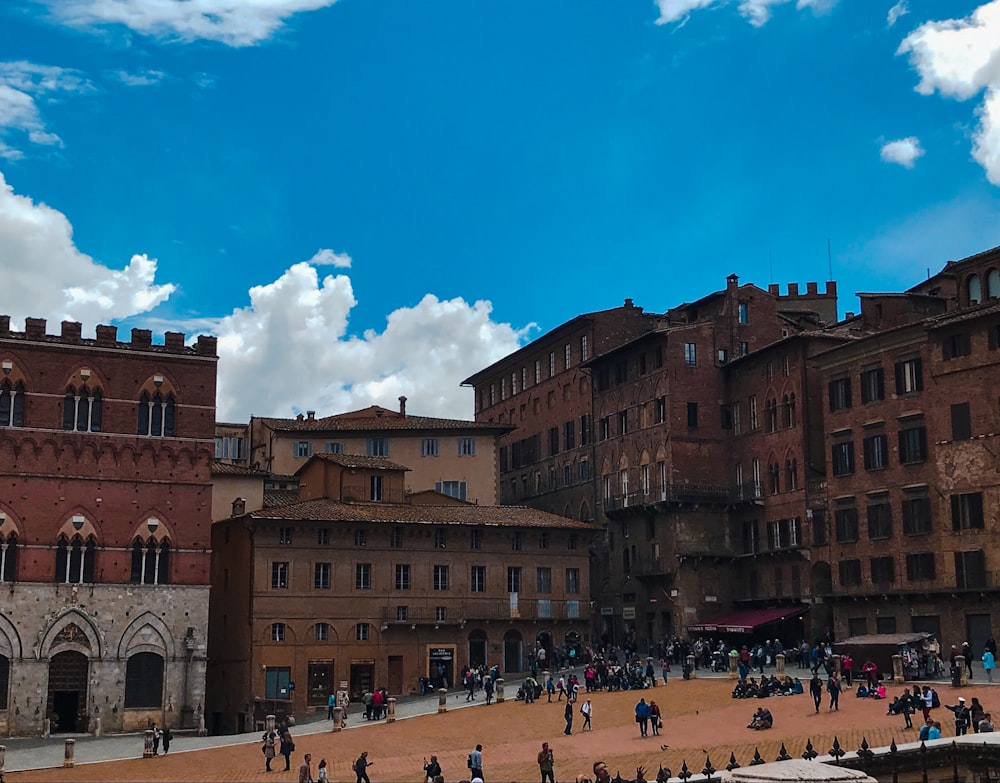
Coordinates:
150 562
8 557
156 415
788 406
11 404
771 408
993 284
974 289
75 560
82 409
791 474
774 474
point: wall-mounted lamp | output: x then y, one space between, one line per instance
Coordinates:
85 373
7 365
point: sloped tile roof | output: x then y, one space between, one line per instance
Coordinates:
356 461
378 419
229 469
280 497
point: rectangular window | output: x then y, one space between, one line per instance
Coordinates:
920 567
553 441
970 569
885 624
690 354
552 364
744 312
584 470
538 372
751 537
334 448
361 632
879 521
454 489
857 626
846 521
477 579
429 447
360 537
843 458
584 351
402 576
850 573
955 345
916 516
516 541
909 376
744 348
961 421
967 511
692 415
572 581
284 535
567 356
912 445
440 613
466 447
840 394
321 576
543 580
440 538
876 448
661 410
513 384
375 483
321 632
402 613
585 430
229 447
735 417
276 679
513 579
396 538
279 576
569 436
753 412
441 577
820 533
604 428
303 448
642 363
363 576
872 385
378 447
323 536
475 538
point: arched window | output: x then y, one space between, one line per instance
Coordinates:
788 406
82 409
8 558
626 561
150 562
993 284
974 289
144 681
4 680
11 404
791 474
75 560
772 415
774 473
156 415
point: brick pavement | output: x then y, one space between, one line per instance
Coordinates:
699 718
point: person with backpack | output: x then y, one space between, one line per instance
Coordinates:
360 767
475 763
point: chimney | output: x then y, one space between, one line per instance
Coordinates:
107 335
142 338
174 342
311 415
628 302
4 326
34 328
239 507
402 407
300 417
72 331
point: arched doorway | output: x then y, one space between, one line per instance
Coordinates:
543 640
477 649
513 651
67 699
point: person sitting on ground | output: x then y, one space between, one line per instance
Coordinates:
762 719
862 692
879 691
797 686
924 734
935 731
986 724
896 707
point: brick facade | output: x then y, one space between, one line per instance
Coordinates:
106 454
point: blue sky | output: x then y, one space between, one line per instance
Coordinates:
463 174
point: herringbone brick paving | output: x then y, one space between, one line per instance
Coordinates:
700 719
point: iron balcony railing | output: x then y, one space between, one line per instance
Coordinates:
457 612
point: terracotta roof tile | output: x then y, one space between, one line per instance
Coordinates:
280 497
356 461
377 419
229 469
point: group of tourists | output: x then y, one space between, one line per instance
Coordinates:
768 686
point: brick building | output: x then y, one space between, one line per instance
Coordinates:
910 540
106 455
363 583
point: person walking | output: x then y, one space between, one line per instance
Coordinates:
568 715
989 664
305 769
833 686
488 689
654 717
476 763
331 702
816 690
269 752
586 710
967 654
166 736
642 717
157 734
321 774
545 761
287 746
360 767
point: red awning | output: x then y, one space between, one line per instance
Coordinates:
746 620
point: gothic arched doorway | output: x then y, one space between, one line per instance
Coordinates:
67 699
513 651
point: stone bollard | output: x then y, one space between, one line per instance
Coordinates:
270 721
338 718
963 677
734 665
147 744
390 713
3 756
779 664
692 673
46 728
442 700
897 670
545 680
98 731
499 690
836 664
69 753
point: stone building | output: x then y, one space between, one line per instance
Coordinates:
105 522
364 584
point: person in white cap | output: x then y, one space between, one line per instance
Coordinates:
962 716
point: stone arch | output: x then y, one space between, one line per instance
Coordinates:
974 289
585 515
152 528
72 630
993 284
10 639
822 578
147 633
78 523
94 380
291 636
8 523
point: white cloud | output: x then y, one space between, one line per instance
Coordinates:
232 22
960 58
758 12
327 257
22 85
45 274
142 78
899 10
902 151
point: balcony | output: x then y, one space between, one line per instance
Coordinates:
749 492
950 583
468 611
362 492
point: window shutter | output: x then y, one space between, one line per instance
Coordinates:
880 383
993 332
918 372
956 513
830 392
976 510
923 442
899 377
